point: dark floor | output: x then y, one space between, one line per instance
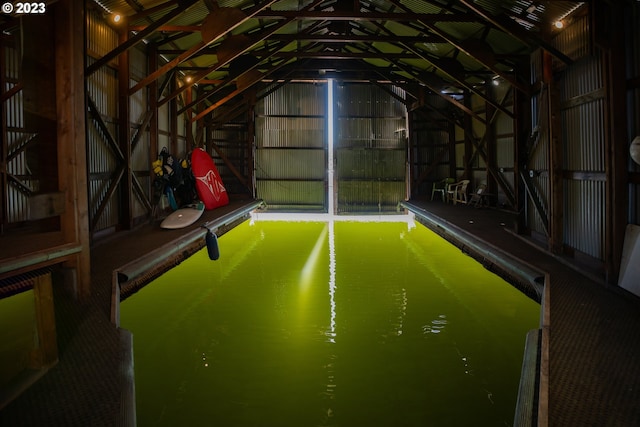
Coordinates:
594 336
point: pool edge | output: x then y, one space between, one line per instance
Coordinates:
526 274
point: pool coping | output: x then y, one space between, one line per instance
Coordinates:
526 274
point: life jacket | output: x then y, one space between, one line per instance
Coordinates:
175 174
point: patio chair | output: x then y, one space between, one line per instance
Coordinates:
457 192
442 187
477 197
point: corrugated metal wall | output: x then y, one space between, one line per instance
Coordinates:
103 160
581 103
633 95
539 151
232 139
290 159
584 143
583 135
102 88
430 143
505 154
371 149
15 137
140 157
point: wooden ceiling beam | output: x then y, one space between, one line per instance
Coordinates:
209 35
136 38
228 57
236 92
366 16
513 29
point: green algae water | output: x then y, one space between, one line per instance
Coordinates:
328 324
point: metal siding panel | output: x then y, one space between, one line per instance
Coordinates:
101 39
163 120
584 220
291 149
573 40
430 144
369 196
582 78
584 141
371 164
371 149
138 109
292 194
102 87
17 202
307 132
290 164
295 99
633 97
584 137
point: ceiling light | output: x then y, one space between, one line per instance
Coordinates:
558 24
117 18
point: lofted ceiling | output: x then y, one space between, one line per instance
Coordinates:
448 47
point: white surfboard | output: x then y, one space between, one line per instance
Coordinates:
183 217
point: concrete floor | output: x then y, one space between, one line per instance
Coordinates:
594 377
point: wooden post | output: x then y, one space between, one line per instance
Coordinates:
521 131
124 132
552 110
452 150
173 119
45 353
153 106
490 139
4 214
190 142
609 26
468 137
251 142
71 135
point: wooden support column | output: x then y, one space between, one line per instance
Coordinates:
71 136
609 26
251 147
552 110
452 150
521 131
173 119
490 140
124 134
413 150
4 214
468 137
409 152
153 106
45 352
188 113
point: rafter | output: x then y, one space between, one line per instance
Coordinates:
138 37
211 31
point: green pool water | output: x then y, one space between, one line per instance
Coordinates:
328 324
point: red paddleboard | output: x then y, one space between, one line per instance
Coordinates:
208 182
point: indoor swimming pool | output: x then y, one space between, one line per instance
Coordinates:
328 324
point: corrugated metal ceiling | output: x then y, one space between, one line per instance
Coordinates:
435 43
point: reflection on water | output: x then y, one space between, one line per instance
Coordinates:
328 324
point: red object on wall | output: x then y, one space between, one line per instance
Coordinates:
208 182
